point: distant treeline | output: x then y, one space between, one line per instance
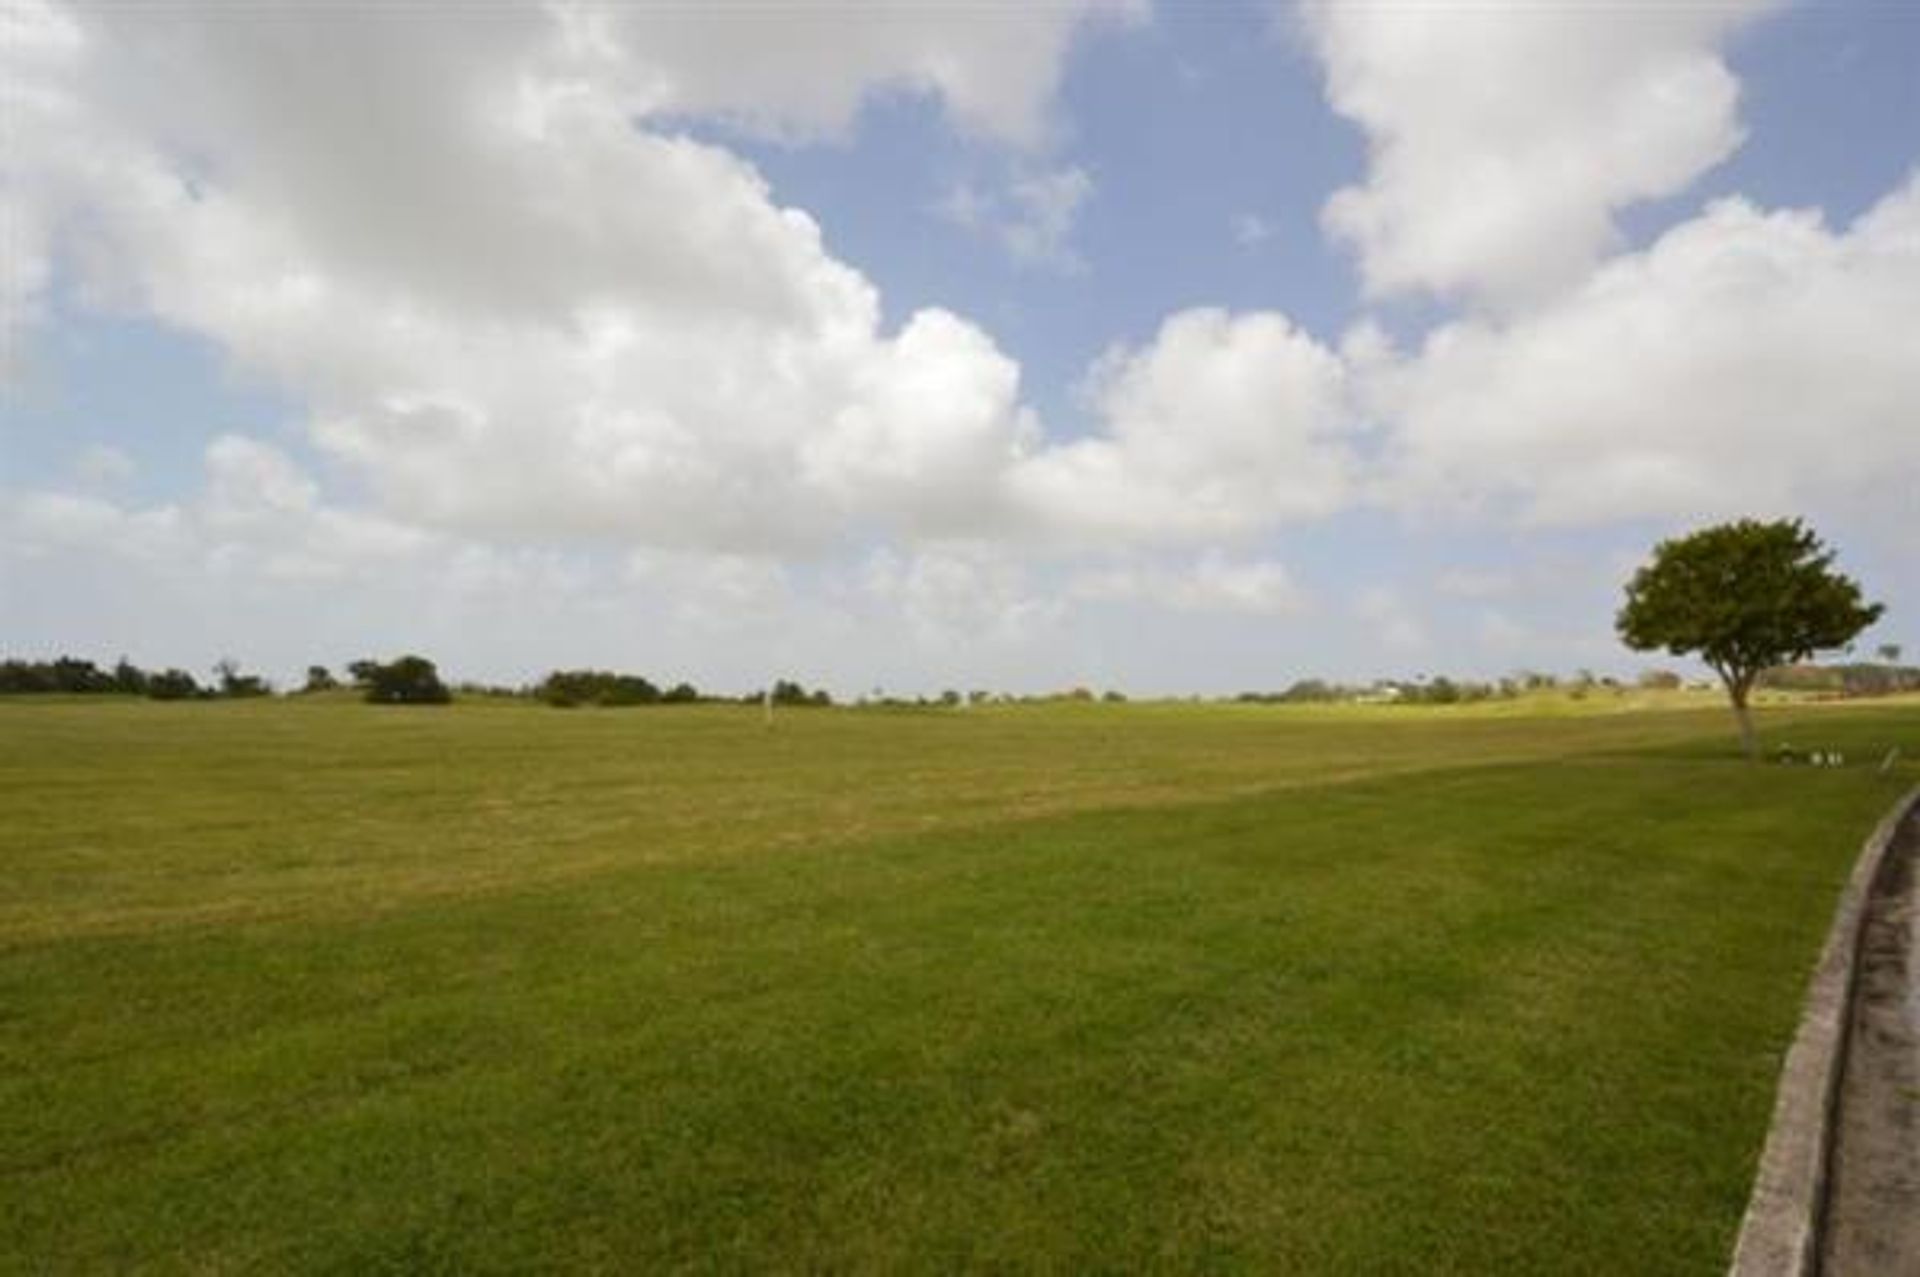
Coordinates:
72 676
1441 690
405 680
568 688
414 680
1434 691
1856 679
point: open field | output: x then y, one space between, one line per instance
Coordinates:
322 987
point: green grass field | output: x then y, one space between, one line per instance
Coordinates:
328 988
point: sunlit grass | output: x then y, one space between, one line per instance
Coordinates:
327 987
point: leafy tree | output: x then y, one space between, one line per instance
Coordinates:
565 688
320 679
234 683
1888 652
410 680
362 671
1743 596
129 678
788 692
172 685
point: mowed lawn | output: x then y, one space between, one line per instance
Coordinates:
323 987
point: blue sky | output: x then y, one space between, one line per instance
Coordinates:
1177 348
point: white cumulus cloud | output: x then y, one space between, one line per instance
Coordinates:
802 67
1223 424
1503 137
1747 362
512 296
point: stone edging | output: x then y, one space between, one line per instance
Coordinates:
1780 1236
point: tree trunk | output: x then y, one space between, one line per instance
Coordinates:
1749 743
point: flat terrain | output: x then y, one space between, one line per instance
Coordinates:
316 986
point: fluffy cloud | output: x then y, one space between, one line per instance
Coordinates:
259 563
1746 362
1223 424
960 594
803 67
516 312
513 309
1211 582
522 305
1503 137
257 514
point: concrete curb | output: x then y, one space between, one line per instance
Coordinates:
1780 1236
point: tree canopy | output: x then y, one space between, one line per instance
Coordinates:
1743 597
410 680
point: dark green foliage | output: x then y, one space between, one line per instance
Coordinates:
128 678
410 680
566 688
787 692
66 674
235 684
1744 597
362 671
320 679
680 694
172 685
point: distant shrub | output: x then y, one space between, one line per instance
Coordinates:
788 692
233 683
565 688
172 685
409 680
129 678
